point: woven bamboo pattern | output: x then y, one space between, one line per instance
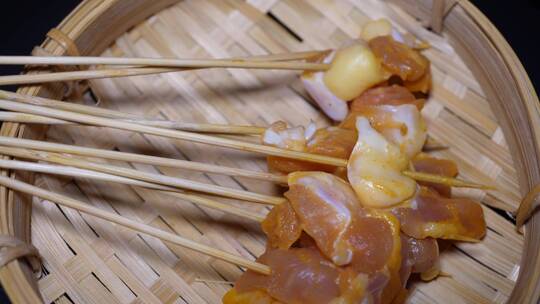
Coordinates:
87 260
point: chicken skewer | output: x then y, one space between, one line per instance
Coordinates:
82 173
190 165
175 134
32 100
131 224
82 118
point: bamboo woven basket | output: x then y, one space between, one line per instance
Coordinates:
482 106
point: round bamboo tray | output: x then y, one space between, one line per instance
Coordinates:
482 106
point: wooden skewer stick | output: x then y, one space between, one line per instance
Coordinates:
125 222
97 111
82 173
145 176
80 75
302 55
445 180
67 106
164 62
31 119
131 71
110 113
176 163
167 124
176 134
139 158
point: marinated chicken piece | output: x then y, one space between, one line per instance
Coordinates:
422 85
393 95
445 167
429 214
402 125
330 141
303 275
418 256
401 298
353 70
286 165
395 113
331 105
325 206
282 226
374 169
366 240
399 59
291 138
281 136
299 275
249 297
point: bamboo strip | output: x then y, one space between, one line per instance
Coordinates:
142 228
176 134
89 174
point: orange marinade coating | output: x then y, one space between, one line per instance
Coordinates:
367 240
367 105
445 167
331 141
325 206
303 275
422 85
337 231
249 297
393 95
431 215
399 59
364 241
299 275
379 118
282 226
418 256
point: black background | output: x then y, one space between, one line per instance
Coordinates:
24 23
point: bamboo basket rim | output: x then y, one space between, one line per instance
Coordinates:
16 276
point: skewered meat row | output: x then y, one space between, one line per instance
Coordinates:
357 234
